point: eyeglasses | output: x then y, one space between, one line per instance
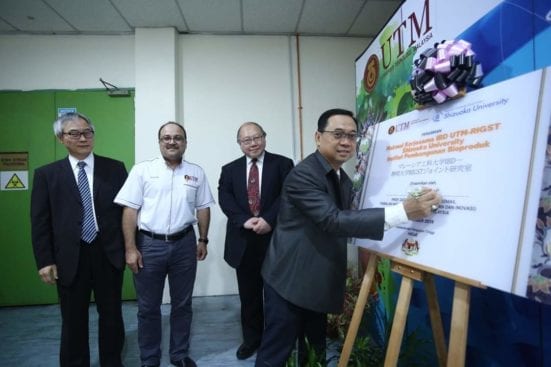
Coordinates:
248 141
176 138
338 134
76 134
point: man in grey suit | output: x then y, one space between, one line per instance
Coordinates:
305 267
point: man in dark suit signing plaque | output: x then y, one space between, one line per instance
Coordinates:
305 266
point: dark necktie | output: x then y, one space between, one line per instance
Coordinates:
88 223
337 187
253 189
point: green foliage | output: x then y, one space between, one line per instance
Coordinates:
366 353
312 359
369 349
337 324
415 351
386 288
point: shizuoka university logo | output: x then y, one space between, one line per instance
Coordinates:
436 117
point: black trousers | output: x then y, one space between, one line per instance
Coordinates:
285 323
250 285
95 273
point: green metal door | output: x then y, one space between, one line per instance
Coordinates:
26 127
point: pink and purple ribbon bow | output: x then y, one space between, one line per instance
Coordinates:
442 71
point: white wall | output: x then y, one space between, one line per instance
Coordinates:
65 62
155 59
328 78
226 81
221 82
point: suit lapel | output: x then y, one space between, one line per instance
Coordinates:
332 181
98 181
69 177
241 177
266 177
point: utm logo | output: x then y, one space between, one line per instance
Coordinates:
398 127
371 73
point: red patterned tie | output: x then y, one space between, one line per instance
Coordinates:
253 189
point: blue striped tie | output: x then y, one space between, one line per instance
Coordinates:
88 223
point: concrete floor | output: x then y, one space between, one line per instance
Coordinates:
29 336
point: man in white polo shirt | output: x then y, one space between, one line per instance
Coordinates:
163 198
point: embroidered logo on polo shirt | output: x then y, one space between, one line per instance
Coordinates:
190 178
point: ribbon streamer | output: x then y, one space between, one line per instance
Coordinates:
444 71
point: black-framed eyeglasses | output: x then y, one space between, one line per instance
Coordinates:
176 138
338 135
248 141
76 134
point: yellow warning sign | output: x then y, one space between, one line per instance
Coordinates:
14 180
14 183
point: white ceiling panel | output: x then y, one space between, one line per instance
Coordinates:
329 16
96 16
212 15
152 13
370 20
269 16
33 16
355 18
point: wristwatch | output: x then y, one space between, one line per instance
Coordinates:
203 240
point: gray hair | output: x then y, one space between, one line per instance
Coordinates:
64 119
250 123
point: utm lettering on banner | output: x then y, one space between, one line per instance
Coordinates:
14 174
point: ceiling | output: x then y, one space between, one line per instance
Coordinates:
346 18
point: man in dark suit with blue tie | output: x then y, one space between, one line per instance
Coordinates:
305 266
248 193
78 242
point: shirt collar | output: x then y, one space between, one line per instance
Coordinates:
164 163
89 161
259 160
